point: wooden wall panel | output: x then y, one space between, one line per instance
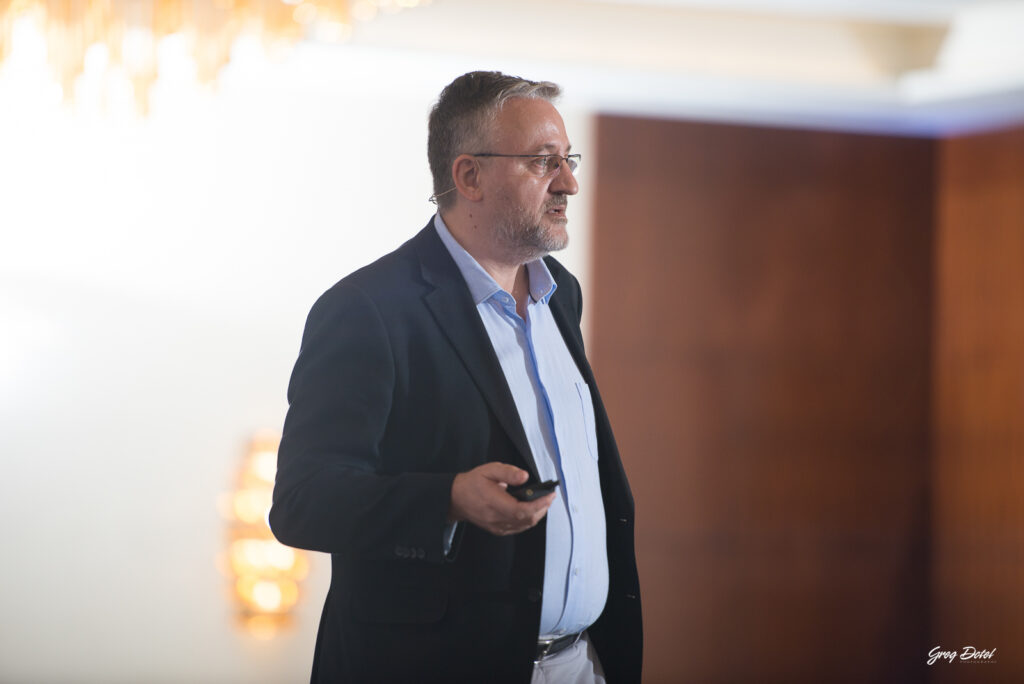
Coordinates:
978 474
762 334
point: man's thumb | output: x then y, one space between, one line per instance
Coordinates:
503 472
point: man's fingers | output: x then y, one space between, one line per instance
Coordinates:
523 510
542 506
479 496
503 472
529 513
539 504
510 516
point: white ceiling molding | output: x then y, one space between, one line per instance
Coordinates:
888 11
919 66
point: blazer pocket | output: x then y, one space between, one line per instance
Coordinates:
589 423
396 592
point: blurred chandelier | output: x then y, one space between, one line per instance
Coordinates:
129 30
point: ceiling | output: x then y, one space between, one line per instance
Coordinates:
916 67
923 67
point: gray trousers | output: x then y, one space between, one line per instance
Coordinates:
577 664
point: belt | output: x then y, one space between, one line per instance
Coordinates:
549 647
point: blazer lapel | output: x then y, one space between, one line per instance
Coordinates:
572 335
614 485
456 314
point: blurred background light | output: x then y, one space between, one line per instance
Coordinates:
264 573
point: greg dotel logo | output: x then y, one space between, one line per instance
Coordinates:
967 654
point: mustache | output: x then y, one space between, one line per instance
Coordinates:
558 202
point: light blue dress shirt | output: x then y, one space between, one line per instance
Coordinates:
557 414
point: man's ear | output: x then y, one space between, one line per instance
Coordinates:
466 177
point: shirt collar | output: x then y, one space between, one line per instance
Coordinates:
481 285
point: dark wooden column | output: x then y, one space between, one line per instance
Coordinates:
978 475
762 320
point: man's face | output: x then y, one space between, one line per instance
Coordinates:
529 204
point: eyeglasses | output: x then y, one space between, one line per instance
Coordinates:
543 165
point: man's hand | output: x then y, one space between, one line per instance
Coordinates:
479 497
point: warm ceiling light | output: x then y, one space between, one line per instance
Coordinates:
130 30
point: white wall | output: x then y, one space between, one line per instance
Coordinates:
154 278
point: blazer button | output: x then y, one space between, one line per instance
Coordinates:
533 595
401 551
420 553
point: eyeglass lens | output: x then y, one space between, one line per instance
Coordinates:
555 161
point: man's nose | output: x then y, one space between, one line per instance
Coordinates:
564 182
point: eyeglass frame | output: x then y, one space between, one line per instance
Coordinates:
571 160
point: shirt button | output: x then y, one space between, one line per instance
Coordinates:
575 571
575 509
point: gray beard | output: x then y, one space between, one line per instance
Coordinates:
524 240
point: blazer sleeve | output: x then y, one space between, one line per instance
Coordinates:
330 494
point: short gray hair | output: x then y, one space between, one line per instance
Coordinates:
459 122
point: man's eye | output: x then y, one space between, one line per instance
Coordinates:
542 163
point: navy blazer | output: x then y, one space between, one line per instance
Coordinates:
396 390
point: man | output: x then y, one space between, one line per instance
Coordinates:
430 382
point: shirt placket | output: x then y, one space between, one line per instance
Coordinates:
568 474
